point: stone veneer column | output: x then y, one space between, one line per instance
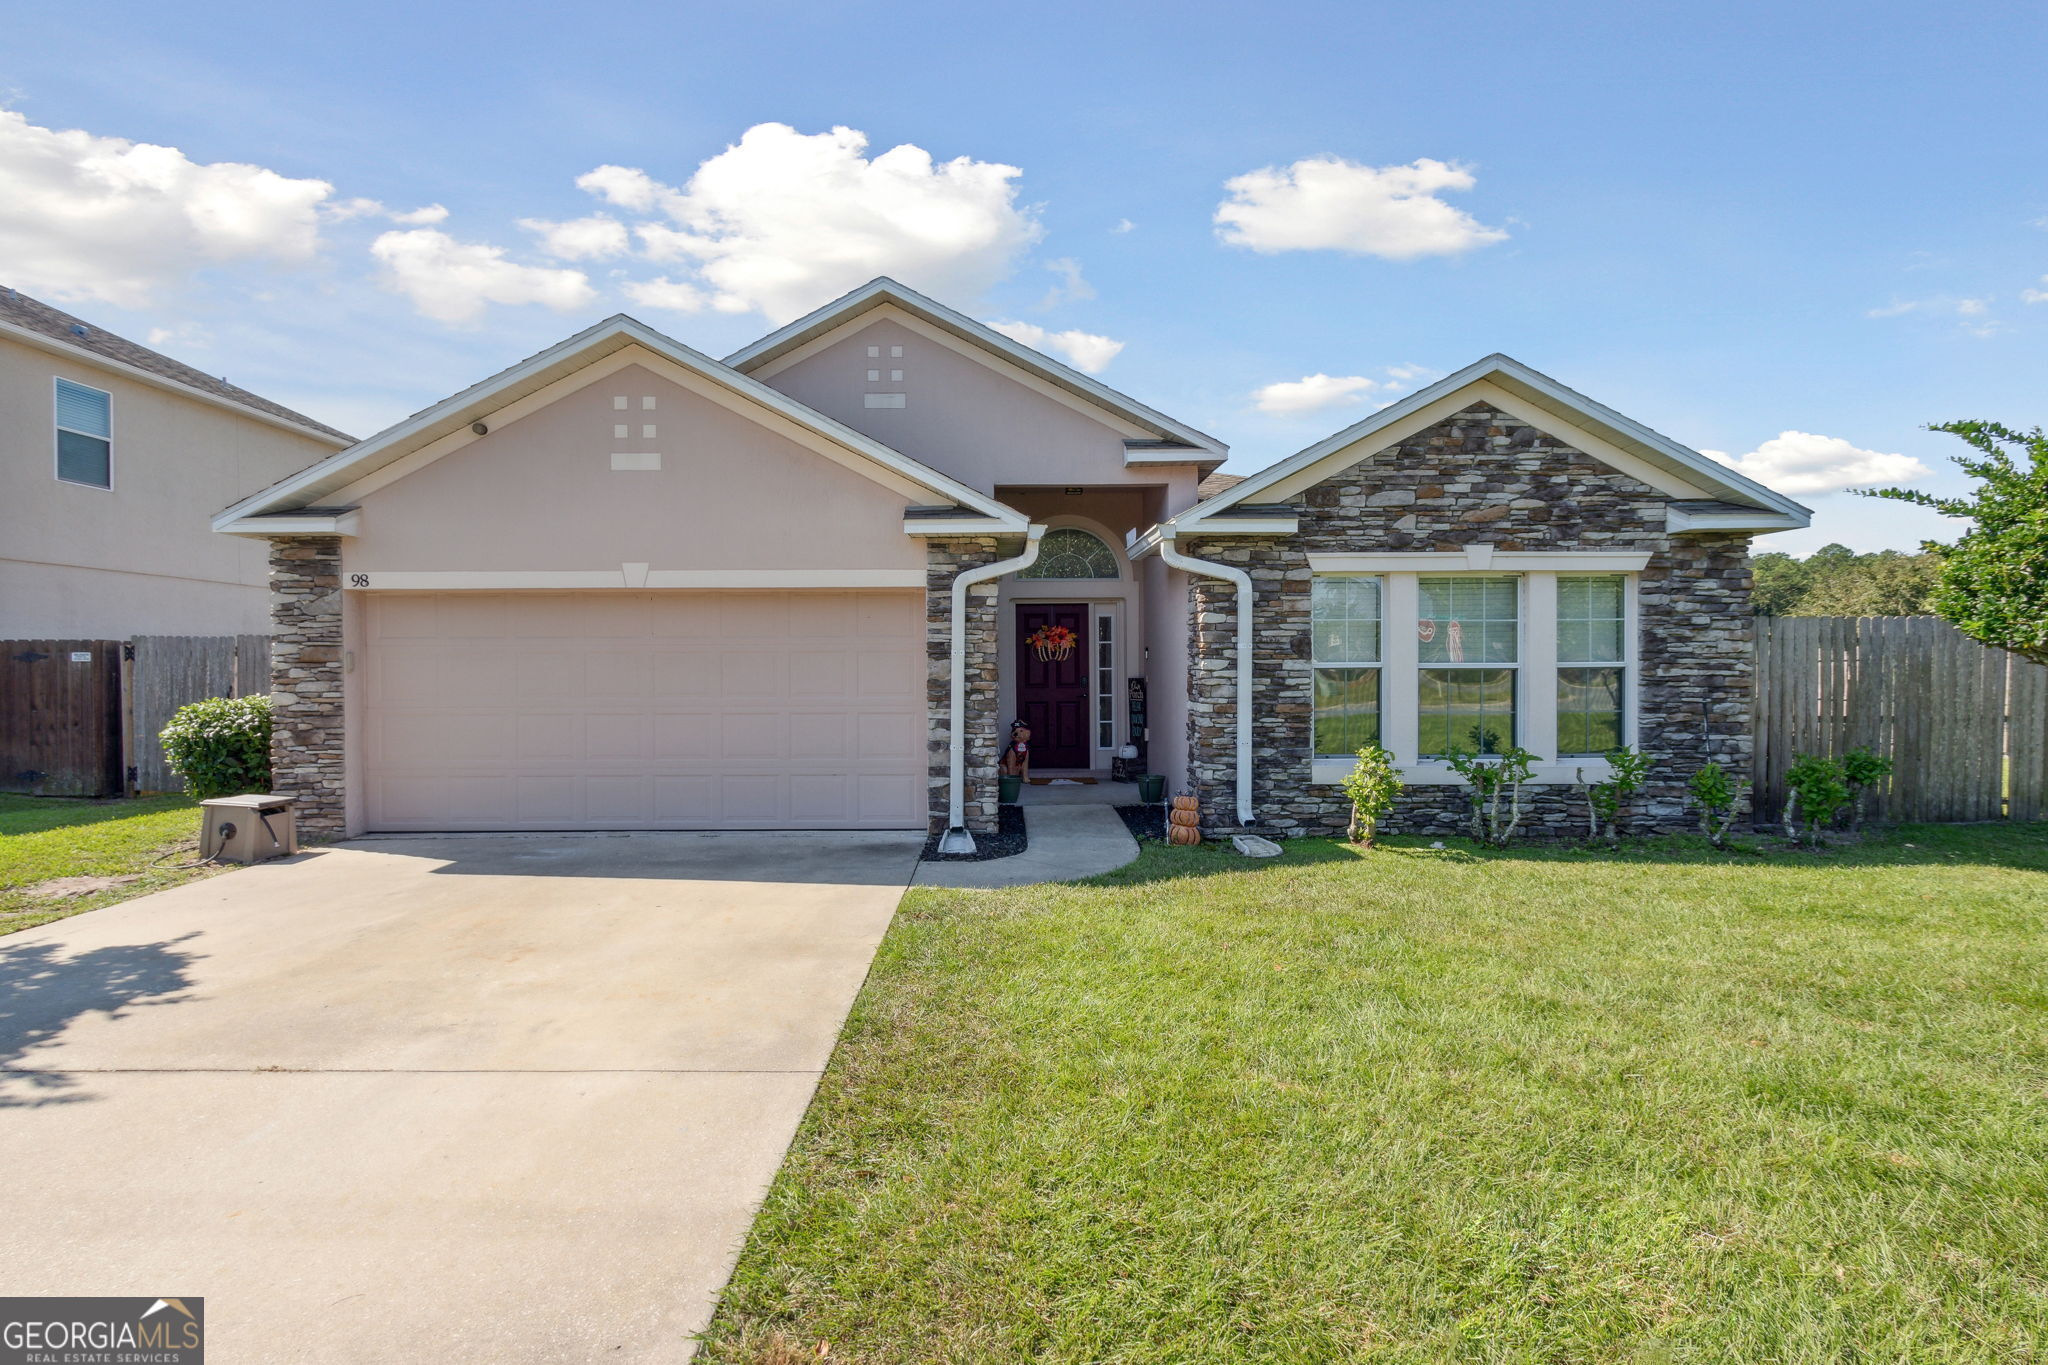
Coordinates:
307 721
944 560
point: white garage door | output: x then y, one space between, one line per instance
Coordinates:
680 710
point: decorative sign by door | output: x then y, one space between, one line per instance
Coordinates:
1052 643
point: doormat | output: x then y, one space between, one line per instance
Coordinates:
1062 781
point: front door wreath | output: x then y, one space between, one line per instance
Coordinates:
1052 642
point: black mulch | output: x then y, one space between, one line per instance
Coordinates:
1145 822
1007 842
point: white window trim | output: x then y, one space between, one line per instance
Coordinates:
1099 612
1535 672
56 446
1630 684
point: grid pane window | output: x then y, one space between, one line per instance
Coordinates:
1068 553
1105 683
84 435
1468 708
1468 620
1588 710
1592 622
1344 631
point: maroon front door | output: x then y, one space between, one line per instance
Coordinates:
1052 694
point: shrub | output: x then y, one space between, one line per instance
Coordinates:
1714 792
1628 766
1485 781
1817 787
1372 786
220 746
1862 770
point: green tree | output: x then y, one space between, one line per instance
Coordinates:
1836 581
1994 581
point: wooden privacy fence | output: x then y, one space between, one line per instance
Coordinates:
81 717
1966 726
60 717
170 671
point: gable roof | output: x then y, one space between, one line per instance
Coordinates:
560 361
52 329
1217 483
882 290
1542 396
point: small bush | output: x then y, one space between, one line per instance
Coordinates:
1605 801
220 746
1373 786
1485 782
1862 770
1816 787
1714 792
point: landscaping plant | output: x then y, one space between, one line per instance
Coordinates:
1486 781
220 746
1816 787
1714 792
1372 786
1994 581
1627 766
1862 770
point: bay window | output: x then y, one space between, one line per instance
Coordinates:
1344 625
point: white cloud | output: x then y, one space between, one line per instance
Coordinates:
580 239
782 221
1313 393
342 210
1973 315
1801 462
1325 203
1124 225
453 281
2035 295
179 338
88 217
1071 285
662 292
1085 351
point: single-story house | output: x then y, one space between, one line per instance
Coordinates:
623 585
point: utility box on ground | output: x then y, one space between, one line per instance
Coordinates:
248 829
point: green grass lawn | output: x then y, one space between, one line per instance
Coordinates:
1420 1105
151 839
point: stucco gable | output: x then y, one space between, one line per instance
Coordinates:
514 393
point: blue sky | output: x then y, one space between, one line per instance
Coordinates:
1731 224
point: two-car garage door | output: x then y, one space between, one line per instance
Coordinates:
657 710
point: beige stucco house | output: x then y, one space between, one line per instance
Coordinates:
113 460
625 585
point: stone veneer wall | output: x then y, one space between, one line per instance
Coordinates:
306 716
944 560
1480 477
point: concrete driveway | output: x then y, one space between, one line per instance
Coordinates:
476 1097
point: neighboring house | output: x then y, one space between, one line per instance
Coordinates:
113 460
624 585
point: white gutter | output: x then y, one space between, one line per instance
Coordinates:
1175 559
956 838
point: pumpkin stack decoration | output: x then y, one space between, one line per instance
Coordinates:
1184 821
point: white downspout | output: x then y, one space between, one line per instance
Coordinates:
1175 559
956 838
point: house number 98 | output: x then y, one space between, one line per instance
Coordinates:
359 580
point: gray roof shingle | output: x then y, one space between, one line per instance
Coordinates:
33 315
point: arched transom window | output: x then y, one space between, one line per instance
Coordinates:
1068 553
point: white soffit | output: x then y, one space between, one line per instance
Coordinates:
786 345
578 360
1542 402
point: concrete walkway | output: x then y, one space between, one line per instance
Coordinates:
1074 832
488 1097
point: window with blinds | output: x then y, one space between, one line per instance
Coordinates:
85 435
